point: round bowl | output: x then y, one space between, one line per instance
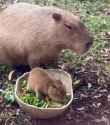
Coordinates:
44 113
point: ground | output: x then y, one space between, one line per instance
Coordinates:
90 73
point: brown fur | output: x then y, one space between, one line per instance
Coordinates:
40 81
30 34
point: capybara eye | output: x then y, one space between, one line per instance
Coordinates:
68 26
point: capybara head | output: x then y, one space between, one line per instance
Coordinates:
71 32
57 92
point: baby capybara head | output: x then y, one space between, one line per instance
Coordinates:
57 92
71 32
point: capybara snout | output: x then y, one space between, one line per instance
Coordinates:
83 39
89 44
88 38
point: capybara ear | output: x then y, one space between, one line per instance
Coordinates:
57 16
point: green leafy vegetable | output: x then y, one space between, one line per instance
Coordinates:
30 97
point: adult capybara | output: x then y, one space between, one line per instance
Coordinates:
30 34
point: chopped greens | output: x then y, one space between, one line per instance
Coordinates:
29 97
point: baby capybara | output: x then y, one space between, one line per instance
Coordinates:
30 34
40 82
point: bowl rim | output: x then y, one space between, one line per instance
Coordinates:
41 108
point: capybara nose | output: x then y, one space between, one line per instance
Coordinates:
88 45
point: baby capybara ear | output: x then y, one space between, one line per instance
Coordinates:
57 16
